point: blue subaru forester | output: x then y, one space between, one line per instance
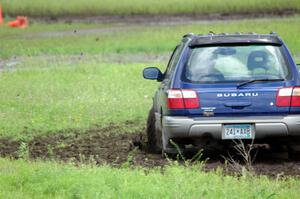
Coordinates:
222 87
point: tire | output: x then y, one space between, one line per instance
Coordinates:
154 143
294 154
294 148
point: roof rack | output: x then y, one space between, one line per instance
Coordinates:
189 35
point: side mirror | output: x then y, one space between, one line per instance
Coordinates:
153 73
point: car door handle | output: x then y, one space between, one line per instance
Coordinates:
237 104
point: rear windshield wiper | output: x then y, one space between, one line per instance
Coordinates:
258 80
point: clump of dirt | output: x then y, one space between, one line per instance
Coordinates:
9 148
113 146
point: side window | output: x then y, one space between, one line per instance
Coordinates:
173 61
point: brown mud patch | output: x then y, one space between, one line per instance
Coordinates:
110 145
113 146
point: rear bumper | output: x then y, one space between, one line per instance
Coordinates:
265 126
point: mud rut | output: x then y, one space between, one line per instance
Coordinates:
111 146
105 145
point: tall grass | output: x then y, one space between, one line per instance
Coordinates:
133 7
19 179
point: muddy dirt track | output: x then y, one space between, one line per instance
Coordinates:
110 146
166 18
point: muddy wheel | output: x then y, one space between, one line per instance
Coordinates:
154 143
277 147
294 154
294 148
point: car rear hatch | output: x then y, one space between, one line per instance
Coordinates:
239 79
255 99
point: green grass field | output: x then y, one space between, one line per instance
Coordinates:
72 95
20 179
134 7
48 86
52 79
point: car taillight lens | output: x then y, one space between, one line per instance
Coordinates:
175 99
296 97
284 97
288 97
182 98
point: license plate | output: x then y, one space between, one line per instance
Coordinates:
237 131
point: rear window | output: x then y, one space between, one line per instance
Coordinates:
222 64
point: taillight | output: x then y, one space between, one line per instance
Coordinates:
182 98
296 97
175 99
288 97
284 97
190 99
